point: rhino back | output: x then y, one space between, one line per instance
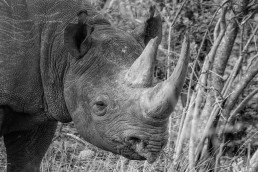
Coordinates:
26 29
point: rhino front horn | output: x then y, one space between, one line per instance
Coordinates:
158 102
141 71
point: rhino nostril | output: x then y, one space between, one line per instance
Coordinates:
133 139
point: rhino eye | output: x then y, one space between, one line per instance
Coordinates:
100 108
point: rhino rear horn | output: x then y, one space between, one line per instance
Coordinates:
150 29
77 37
141 71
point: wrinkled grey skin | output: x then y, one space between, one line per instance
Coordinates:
47 74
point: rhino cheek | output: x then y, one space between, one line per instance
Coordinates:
81 117
83 123
89 131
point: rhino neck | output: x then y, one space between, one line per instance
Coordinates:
53 66
54 60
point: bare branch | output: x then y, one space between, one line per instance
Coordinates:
196 59
250 73
223 55
242 104
200 91
76 138
238 64
254 162
169 36
219 66
185 122
216 30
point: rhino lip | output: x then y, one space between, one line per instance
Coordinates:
144 150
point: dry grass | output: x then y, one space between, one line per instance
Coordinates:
2 155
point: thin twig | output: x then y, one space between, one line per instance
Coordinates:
254 162
169 35
181 137
76 138
250 39
216 30
242 104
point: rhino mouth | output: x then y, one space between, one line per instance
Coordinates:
143 151
139 149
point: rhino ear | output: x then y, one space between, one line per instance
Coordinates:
151 28
77 37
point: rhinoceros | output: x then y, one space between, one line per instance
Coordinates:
64 61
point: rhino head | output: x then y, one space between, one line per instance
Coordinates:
108 87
